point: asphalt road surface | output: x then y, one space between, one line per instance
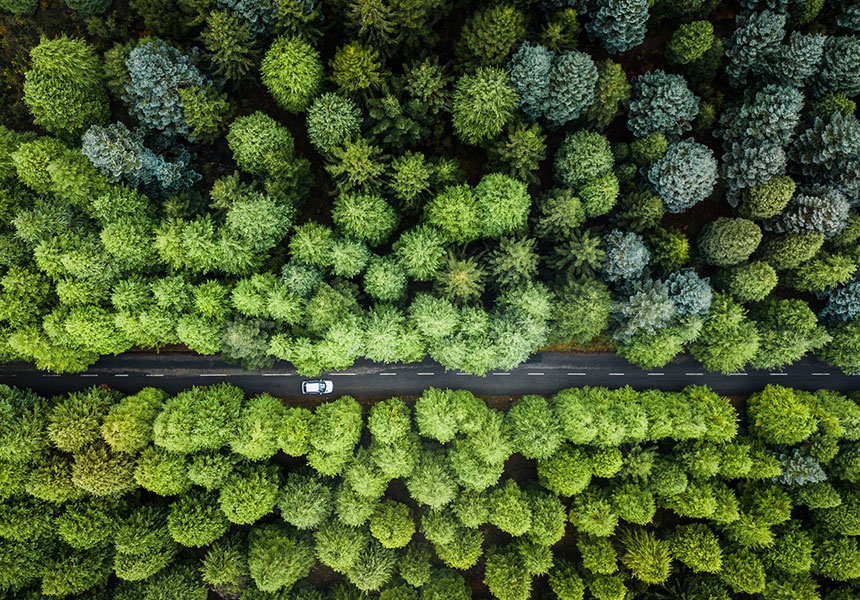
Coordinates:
544 374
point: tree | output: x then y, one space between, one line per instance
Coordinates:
229 45
332 120
199 419
460 279
292 72
162 472
610 90
249 493
385 279
392 524
262 146
120 155
767 199
420 251
684 176
374 568
790 250
432 482
748 282
258 428
690 42
490 34
534 427
365 217
788 330
278 556
157 72
225 565
356 69
510 510
582 156
780 415
454 211
840 52
661 102
648 558
619 24
728 339
503 204
74 422
305 500
357 165
626 255
728 241
482 104
65 86
520 154
506 576
530 69
514 261
196 520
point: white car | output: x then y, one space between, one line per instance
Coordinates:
317 387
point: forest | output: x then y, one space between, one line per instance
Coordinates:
620 494
395 179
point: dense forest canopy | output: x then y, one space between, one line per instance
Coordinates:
592 493
392 179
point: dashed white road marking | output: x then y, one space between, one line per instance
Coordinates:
213 374
463 374
616 374
425 373
344 374
499 373
575 374
276 374
155 374
120 374
387 374
821 373
694 374
738 374
535 373
88 375
655 374
778 374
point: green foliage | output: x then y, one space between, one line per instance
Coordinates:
365 217
356 69
392 524
748 282
331 121
490 35
357 165
198 419
292 72
781 416
583 156
690 42
482 104
744 487
728 241
195 519
249 493
728 339
610 90
65 88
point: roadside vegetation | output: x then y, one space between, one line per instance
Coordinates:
591 493
322 181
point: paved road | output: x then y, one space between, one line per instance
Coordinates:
544 373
